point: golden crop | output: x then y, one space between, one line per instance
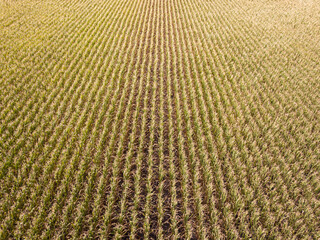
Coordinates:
159 119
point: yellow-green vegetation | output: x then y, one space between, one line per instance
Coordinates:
159 119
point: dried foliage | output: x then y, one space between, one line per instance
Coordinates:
153 119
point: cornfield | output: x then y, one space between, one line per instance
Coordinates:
159 119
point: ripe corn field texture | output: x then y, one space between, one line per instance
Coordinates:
153 119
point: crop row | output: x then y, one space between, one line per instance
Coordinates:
155 119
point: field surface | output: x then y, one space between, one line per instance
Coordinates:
159 119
